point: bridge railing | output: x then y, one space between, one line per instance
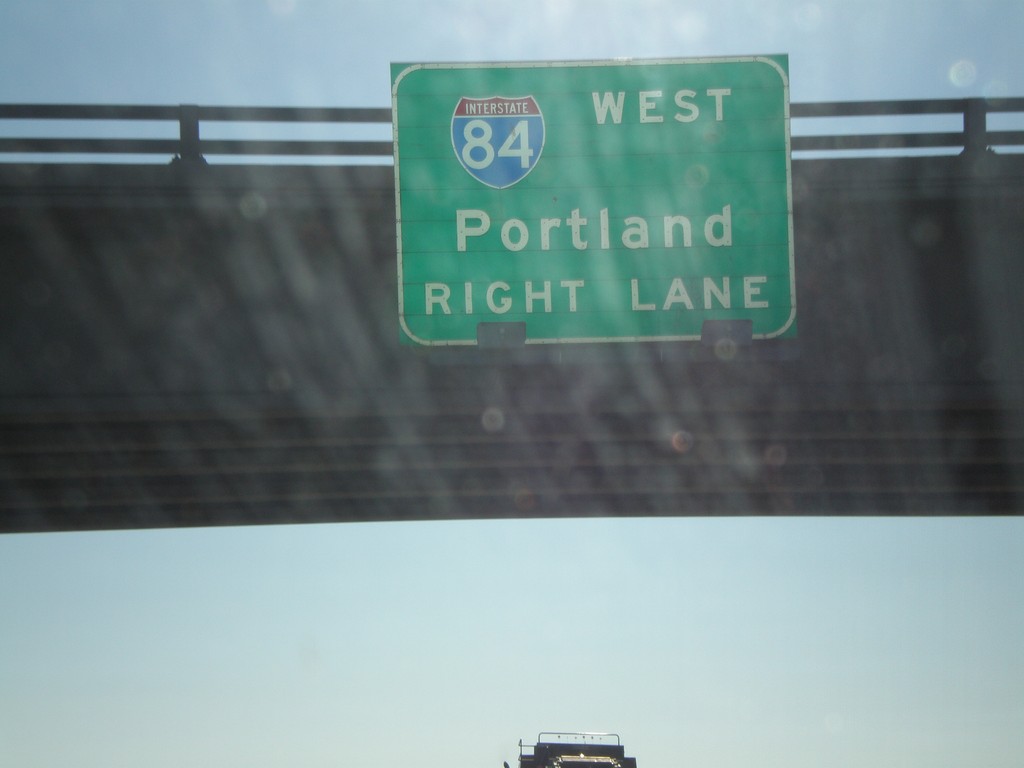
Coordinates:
188 145
25 137
975 134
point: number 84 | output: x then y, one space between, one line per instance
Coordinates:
478 134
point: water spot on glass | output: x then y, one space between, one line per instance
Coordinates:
963 73
808 16
714 133
279 380
252 206
525 499
690 26
682 441
493 419
725 349
697 175
995 89
833 722
775 455
282 7
814 479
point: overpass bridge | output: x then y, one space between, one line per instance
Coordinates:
202 330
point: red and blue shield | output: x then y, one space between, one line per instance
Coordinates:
498 139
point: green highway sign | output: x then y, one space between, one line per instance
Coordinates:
593 201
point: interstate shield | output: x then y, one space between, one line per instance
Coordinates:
498 140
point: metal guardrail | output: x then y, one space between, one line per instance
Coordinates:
974 137
191 147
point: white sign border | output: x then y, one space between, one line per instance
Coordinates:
762 59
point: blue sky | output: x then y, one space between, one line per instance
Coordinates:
804 643
319 52
735 642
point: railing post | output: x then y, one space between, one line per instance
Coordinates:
975 127
188 134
